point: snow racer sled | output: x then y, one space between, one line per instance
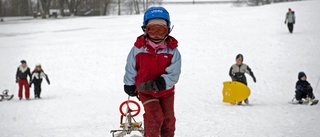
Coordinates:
127 123
305 101
234 92
5 96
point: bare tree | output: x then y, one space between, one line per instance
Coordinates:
25 7
105 7
15 7
45 7
73 6
61 7
263 2
136 6
268 2
1 12
119 9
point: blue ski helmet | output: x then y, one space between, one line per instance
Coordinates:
156 13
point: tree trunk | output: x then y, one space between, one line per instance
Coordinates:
105 8
61 7
147 4
144 5
73 6
70 4
38 6
77 4
268 1
136 6
48 7
1 13
24 7
45 6
119 10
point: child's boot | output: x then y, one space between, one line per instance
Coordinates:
246 101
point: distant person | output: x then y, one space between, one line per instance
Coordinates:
290 20
304 89
237 72
152 70
37 76
22 74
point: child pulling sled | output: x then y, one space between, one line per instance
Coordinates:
153 68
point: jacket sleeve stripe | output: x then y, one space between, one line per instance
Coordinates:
174 70
131 73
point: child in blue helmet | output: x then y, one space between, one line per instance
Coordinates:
304 89
153 68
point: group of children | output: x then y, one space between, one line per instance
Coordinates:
304 91
23 72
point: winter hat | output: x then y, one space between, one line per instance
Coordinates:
157 21
239 56
301 74
23 62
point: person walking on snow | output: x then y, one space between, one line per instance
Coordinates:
290 20
23 72
153 68
303 89
237 72
36 79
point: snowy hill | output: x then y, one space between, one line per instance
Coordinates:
85 59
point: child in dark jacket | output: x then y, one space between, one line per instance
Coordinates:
303 89
22 74
37 76
237 72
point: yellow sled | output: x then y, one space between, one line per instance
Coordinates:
234 92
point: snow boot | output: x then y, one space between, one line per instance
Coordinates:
314 102
246 101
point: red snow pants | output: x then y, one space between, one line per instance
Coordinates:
23 83
159 119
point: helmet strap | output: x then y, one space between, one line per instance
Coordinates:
143 28
169 32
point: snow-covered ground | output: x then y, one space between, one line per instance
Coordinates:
85 59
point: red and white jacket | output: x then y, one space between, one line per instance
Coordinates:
144 63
